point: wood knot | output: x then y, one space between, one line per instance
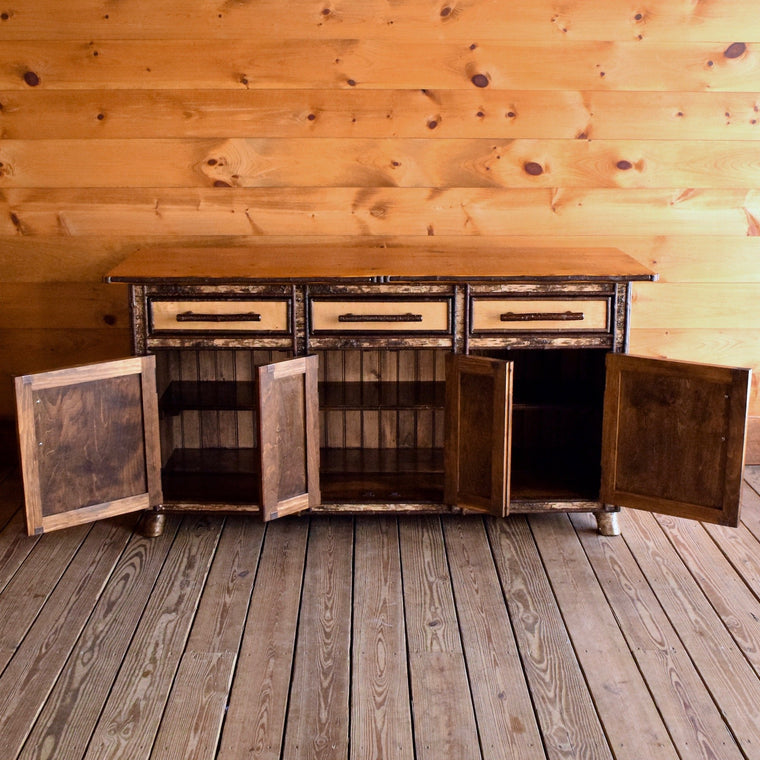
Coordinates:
480 80
624 165
735 50
533 168
31 79
445 11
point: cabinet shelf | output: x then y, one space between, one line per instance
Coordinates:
241 395
382 395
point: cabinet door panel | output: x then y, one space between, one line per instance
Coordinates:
288 436
89 442
478 435
673 439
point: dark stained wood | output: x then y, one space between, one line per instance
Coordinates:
674 436
288 437
89 442
314 262
478 433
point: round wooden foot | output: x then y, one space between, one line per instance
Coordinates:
607 523
153 524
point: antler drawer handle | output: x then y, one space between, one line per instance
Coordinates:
379 317
191 316
541 316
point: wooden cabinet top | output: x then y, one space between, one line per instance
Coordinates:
325 263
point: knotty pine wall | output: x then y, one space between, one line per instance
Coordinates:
493 122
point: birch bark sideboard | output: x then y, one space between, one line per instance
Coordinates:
381 380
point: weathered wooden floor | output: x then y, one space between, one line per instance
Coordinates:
378 639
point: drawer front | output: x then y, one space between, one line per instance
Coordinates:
491 315
387 315
239 315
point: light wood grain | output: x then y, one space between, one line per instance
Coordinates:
514 20
299 113
444 721
380 211
373 64
204 677
521 20
392 162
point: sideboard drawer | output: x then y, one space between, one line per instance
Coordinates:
491 315
386 315
238 315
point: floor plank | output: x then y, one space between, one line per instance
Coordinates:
729 595
722 666
317 722
72 711
34 669
30 586
197 705
569 724
131 716
620 693
380 638
505 716
259 699
381 723
444 721
692 718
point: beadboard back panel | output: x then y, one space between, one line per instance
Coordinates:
491 122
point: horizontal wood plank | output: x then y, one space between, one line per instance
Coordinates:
379 211
479 113
704 306
88 63
390 162
520 20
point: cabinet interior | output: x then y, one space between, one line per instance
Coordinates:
381 424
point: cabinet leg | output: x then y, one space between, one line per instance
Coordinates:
607 523
153 524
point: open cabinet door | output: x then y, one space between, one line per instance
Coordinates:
288 436
478 420
89 442
673 437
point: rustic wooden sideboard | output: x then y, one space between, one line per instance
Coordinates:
384 380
